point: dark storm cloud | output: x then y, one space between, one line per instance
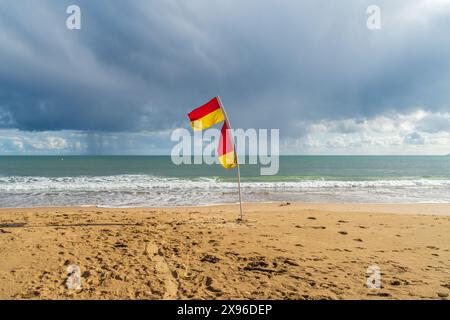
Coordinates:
142 65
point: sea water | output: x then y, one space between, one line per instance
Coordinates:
141 181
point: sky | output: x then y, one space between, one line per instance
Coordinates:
313 69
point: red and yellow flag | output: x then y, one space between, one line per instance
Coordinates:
207 115
227 156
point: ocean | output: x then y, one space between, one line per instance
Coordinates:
153 181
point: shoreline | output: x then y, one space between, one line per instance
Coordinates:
280 251
426 208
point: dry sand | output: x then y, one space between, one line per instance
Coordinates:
296 251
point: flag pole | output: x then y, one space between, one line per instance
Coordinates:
237 162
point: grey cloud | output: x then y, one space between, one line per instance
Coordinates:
13 142
434 123
6 118
142 65
414 138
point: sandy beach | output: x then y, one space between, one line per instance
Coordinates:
281 251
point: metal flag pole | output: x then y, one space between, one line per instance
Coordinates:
237 162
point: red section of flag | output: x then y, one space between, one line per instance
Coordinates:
226 143
204 110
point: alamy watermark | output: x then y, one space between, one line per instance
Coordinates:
73 22
373 280
73 281
374 19
200 147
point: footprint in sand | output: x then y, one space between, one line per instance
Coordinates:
154 254
209 258
210 287
442 295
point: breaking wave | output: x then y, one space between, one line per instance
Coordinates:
152 191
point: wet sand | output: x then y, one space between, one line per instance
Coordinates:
280 251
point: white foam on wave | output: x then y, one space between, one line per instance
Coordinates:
144 190
144 182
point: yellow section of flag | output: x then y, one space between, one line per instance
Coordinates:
228 160
207 115
208 120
